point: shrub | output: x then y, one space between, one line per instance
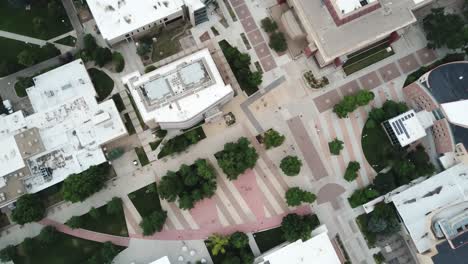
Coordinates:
153 223
335 146
114 206
143 49
218 244
48 235
291 165
352 102
239 240
118 60
74 222
297 227
269 25
236 158
89 43
295 196
29 208
273 139
102 56
351 171
362 196
278 42
78 187
150 68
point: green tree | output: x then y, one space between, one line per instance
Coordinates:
114 206
335 146
8 253
351 171
383 219
278 42
204 169
269 25
89 43
48 235
385 182
362 196
236 158
296 227
29 208
170 186
218 244
108 252
363 97
94 213
295 196
377 114
78 187
443 29
186 201
254 79
231 259
27 58
143 49
28 246
102 56
119 61
74 222
154 222
273 139
291 165
239 240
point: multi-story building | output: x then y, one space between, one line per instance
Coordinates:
118 20
63 136
182 93
339 29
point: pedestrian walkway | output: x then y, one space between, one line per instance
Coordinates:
22 38
86 234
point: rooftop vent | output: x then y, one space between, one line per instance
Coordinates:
109 8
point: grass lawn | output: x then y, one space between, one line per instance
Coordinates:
129 125
16 19
166 43
367 58
154 145
182 142
118 102
67 41
146 199
375 145
142 156
113 224
269 239
102 82
67 249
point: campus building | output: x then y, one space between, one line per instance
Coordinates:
318 249
408 127
62 136
118 20
182 93
434 213
337 30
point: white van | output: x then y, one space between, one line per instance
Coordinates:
8 106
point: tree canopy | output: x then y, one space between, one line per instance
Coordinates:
230 249
362 196
189 184
335 146
295 196
153 222
236 158
291 165
78 187
29 208
297 227
351 171
445 30
269 25
48 235
273 138
278 42
352 102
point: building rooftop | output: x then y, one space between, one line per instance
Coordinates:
163 260
348 6
318 249
63 136
359 32
456 112
409 126
180 90
419 204
116 18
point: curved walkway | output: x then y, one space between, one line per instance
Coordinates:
86 234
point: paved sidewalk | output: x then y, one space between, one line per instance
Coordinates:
86 234
22 38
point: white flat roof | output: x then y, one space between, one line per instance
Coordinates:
417 204
71 124
457 112
407 128
163 260
10 156
348 6
116 18
318 249
180 90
